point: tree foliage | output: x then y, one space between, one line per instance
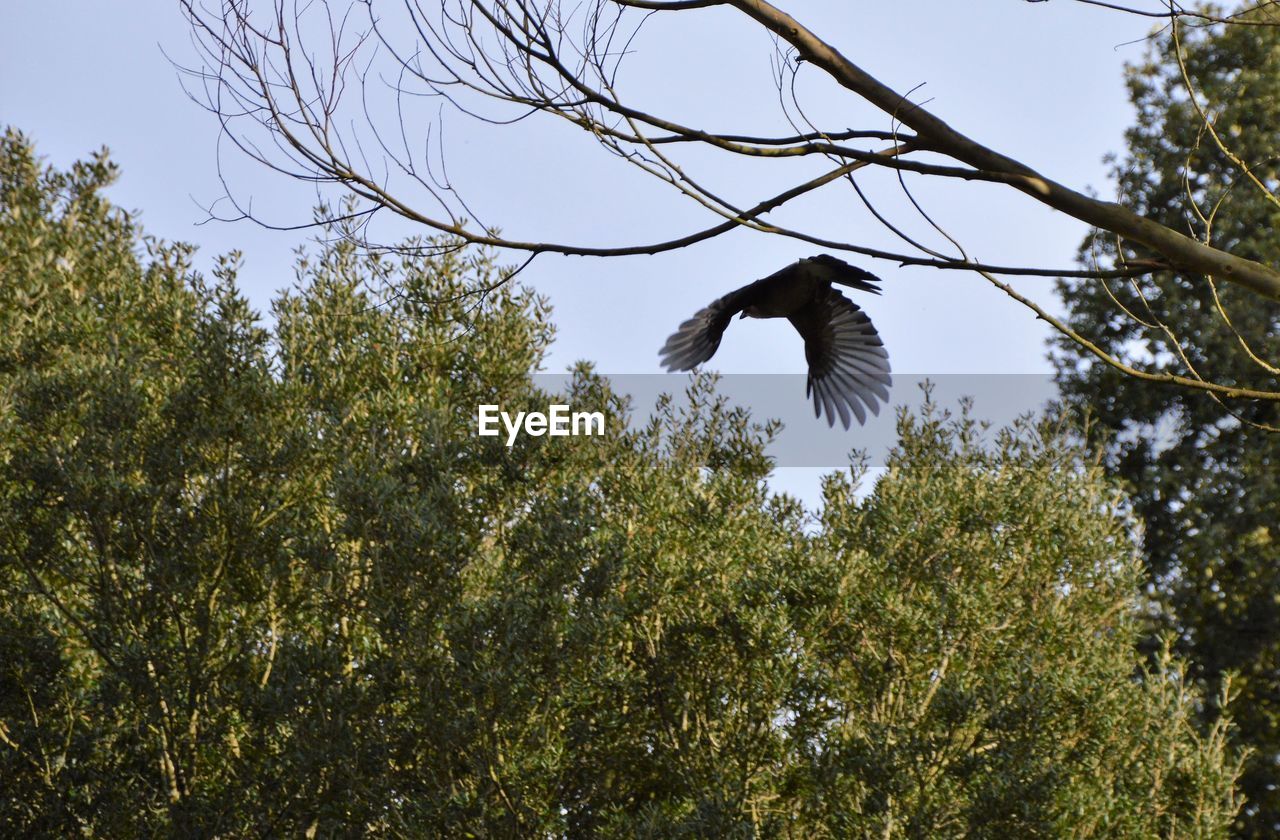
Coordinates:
258 578
1202 476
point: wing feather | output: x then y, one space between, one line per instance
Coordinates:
848 365
698 338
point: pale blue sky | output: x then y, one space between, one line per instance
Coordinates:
1041 82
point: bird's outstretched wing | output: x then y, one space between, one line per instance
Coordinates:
848 365
698 338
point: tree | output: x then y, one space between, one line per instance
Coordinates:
1203 480
292 84
263 580
187 505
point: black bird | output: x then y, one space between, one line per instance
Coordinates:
848 365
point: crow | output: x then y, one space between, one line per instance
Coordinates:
848 365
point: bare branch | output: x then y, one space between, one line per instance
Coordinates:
277 82
1174 12
1180 250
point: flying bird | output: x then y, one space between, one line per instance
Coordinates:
848 365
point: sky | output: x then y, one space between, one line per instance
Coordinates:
1041 82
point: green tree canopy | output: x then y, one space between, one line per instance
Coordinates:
1202 475
259 579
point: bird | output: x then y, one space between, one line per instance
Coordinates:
848 364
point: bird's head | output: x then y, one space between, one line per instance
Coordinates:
831 270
